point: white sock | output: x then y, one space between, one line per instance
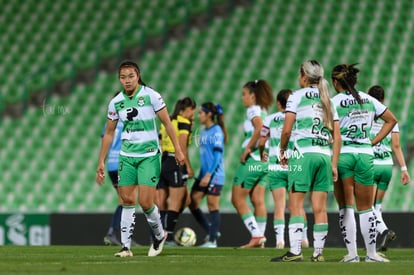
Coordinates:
296 226
154 221
261 223
305 232
251 225
127 225
279 227
381 226
368 230
320 232
348 230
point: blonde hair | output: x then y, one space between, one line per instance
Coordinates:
314 71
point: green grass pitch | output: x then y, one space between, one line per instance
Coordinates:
188 260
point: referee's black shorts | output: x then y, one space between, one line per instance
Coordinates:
172 175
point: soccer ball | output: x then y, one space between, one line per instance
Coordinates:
185 236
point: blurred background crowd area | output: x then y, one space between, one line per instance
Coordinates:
59 71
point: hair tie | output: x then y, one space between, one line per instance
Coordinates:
219 109
255 82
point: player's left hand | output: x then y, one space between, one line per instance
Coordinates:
100 175
205 180
405 177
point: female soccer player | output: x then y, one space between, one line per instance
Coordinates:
137 106
174 178
277 175
257 97
383 168
312 166
356 111
210 179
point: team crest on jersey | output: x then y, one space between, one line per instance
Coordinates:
141 101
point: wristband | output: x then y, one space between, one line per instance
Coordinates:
403 168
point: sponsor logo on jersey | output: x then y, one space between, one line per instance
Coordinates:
312 94
348 102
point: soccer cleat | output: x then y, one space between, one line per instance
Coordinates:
305 244
111 240
376 259
350 259
385 238
381 254
317 258
288 257
207 238
255 242
157 246
124 252
209 245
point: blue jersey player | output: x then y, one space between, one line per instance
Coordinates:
210 180
112 161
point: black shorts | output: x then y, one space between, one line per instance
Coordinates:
113 175
211 189
172 175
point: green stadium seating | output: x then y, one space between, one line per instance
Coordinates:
58 143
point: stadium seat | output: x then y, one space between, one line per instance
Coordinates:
268 40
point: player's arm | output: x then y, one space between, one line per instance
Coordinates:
264 135
183 140
285 136
389 123
336 148
105 144
396 148
169 128
257 125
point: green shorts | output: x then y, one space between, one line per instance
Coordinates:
144 171
250 173
361 166
312 172
382 176
277 179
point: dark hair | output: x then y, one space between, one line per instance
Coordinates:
262 91
283 96
217 115
346 75
134 65
181 105
377 92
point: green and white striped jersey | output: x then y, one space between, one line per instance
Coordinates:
383 149
252 112
309 135
139 135
272 128
356 120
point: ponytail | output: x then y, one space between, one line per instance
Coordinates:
346 75
314 71
326 104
